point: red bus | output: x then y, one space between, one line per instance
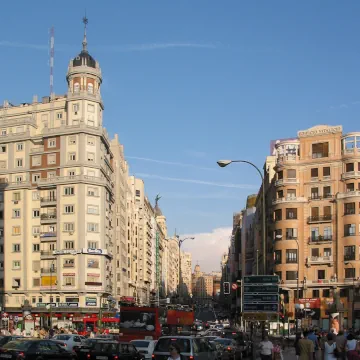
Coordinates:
139 323
110 325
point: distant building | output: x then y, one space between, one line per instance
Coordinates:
202 285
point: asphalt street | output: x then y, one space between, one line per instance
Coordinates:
205 315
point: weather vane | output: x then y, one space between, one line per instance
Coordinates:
85 21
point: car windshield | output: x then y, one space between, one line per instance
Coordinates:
223 341
105 347
140 343
163 345
62 337
18 345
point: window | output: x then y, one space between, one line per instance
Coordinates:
69 190
69 281
69 263
36 161
349 273
291 275
16 213
316 293
92 227
35 178
72 157
315 193
92 245
291 234
277 256
36 230
350 187
291 194
349 230
278 215
90 157
69 227
16 196
91 140
90 89
314 234
18 179
16 265
327 233
51 159
19 163
326 293
349 167
291 214
3 164
71 173
137 193
36 213
40 299
280 175
93 263
91 108
291 174
36 195
327 252
16 283
326 171
72 140
51 143
349 253
291 256
320 150
314 172
3 132
16 230
19 147
36 247
69 244
321 274
280 194
278 234
16 248
93 209
76 107
59 115
327 191
2 148
91 191
349 208
69 209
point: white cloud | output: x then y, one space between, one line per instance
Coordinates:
207 248
194 181
196 154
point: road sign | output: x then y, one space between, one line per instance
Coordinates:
234 286
261 307
261 289
261 298
261 279
261 295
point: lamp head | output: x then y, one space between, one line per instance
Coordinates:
223 163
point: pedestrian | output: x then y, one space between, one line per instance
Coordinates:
351 342
296 345
330 351
306 347
277 351
314 339
174 351
266 348
341 345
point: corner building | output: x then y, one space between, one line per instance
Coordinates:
316 219
56 177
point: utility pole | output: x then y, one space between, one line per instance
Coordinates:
158 277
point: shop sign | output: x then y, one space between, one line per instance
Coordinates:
69 304
93 275
94 251
320 130
66 252
68 274
90 301
313 303
44 305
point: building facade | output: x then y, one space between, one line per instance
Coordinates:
186 268
202 286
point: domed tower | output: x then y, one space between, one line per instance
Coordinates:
84 80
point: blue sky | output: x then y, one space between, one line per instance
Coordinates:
191 82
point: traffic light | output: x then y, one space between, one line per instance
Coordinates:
226 288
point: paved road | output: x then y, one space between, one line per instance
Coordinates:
205 315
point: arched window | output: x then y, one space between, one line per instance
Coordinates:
90 88
76 87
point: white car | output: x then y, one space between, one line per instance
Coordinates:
145 347
70 340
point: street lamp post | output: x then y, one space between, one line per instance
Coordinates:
180 243
223 163
353 295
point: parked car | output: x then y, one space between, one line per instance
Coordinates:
113 350
84 348
145 347
5 339
190 347
70 340
34 350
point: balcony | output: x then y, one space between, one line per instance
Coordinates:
320 259
281 182
37 149
48 218
319 219
348 194
289 199
51 270
350 175
48 254
349 211
48 236
350 257
320 239
315 197
48 201
290 158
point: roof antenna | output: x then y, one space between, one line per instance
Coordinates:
84 43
